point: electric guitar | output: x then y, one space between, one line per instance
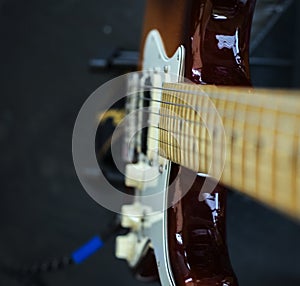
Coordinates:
185 142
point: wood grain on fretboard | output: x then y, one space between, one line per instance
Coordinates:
250 138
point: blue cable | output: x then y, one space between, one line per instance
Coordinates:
77 257
87 249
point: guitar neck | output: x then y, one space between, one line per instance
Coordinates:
248 139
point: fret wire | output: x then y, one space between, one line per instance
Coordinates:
261 124
273 160
224 104
297 166
204 140
251 121
176 104
192 144
279 152
268 127
176 146
223 154
234 140
237 98
175 123
229 161
295 202
226 114
197 153
243 161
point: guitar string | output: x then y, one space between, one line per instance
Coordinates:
200 153
256 140
197 153
208 159
178 133
231 114
240 163
206 140
177 146
236 98
216 157
261 105
277 129
257 143
208 165
251 115
225 115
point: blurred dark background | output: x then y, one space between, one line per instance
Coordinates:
45 47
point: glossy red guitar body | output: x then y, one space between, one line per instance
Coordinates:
216 36
197 235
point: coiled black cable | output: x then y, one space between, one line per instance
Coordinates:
30 275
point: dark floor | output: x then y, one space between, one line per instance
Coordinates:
44 212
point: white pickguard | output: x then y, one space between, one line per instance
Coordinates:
147 217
